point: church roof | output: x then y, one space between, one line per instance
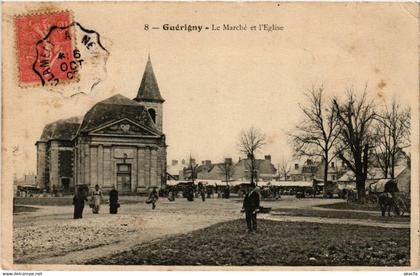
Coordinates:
64 129
113 109
149 89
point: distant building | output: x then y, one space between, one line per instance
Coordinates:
309 170
265 170
216 171
25 180
118 143
402 174
304 171
173 169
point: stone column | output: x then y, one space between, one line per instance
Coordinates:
54 165
86 160
159 168
93 166
153 168
141 166
41 164
107 167
100 167
147 159
79 168
134 170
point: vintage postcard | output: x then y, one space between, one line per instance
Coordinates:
210 136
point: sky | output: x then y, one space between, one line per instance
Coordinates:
215 84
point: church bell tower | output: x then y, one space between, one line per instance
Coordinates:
149 95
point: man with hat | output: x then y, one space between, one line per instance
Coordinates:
251 206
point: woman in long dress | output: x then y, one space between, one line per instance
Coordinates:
113 201
79 203
96 199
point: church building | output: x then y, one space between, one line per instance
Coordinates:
118 143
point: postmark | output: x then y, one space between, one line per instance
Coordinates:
55 63
67 53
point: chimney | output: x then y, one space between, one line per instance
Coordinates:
267 157
208 163
174 162
202 162
228 161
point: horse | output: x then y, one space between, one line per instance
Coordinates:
387 202
351 196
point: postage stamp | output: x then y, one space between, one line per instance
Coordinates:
48 52
30 30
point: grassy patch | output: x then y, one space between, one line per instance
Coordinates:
67 200
21 209
43 201
352 206
275 243
340 215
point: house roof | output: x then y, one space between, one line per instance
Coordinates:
264 166
64 129
116 108
304 166
373 173
149 89
174 169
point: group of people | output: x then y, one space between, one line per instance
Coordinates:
251 203
96 197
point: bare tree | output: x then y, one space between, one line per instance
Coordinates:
227 170
190 172
284 168
392 135
356 115
250 142
317 134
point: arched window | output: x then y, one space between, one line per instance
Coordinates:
152 113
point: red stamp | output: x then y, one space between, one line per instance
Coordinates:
42 41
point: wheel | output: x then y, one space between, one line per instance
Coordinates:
402 206
399 207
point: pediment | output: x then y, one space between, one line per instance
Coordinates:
124 127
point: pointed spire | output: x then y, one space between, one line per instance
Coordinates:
149 89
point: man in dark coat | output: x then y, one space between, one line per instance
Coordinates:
251 206
113 201
79 203
153 197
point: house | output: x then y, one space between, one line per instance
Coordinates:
309 170
265 170
174 168
304 171
216 171
402 175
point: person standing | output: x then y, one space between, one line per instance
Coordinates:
202 191
113 201
96 200
251 206
153 197
79 203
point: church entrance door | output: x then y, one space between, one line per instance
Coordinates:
124 177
